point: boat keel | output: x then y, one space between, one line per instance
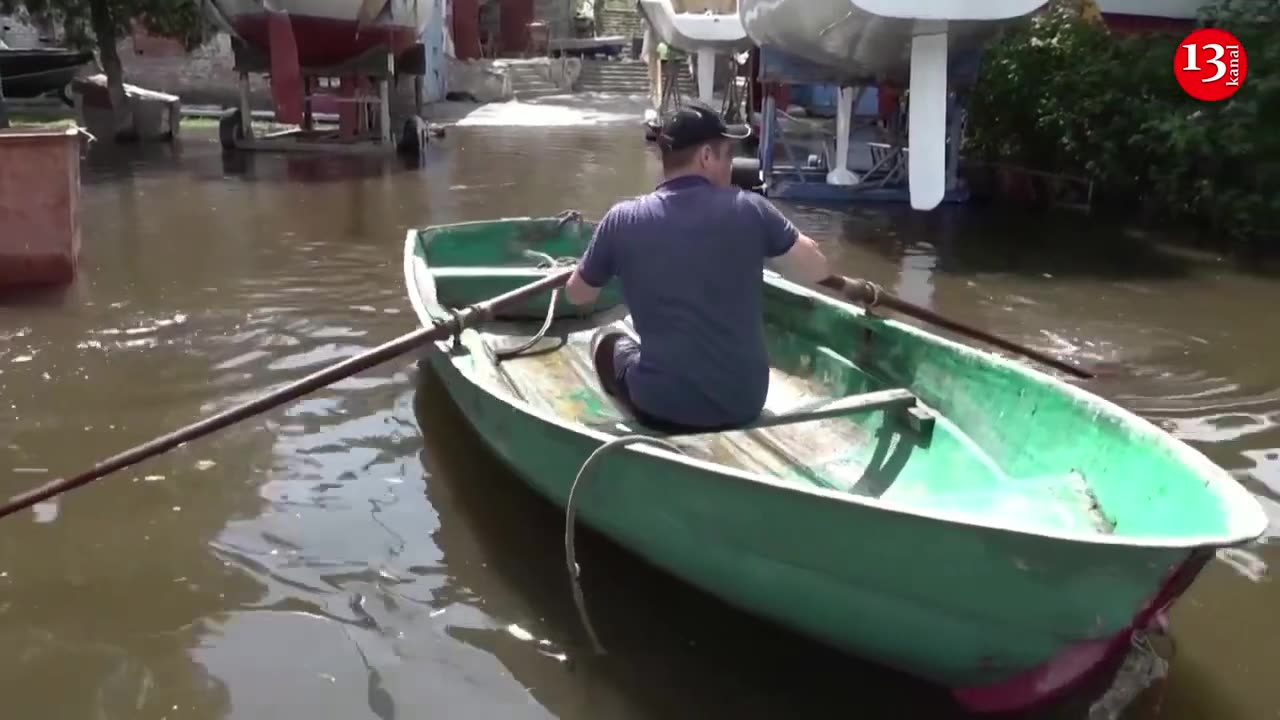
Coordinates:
927 116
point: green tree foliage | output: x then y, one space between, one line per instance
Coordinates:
99 24
1063 94
177 19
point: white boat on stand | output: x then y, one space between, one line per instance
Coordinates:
703 28
911 44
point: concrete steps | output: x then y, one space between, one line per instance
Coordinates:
625 77
528 81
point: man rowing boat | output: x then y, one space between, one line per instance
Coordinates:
690 256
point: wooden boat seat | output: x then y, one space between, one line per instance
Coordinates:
890 400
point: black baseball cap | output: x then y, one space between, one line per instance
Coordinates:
694 124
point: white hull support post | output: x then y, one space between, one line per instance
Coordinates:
927 115
706 76
840 174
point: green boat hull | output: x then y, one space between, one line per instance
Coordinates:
1002 537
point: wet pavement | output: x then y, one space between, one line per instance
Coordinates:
357 554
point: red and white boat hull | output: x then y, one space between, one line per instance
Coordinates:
331 32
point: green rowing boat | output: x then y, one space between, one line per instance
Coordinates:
911 500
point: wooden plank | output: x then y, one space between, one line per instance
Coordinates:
861 403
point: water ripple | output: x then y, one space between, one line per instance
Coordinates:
324 564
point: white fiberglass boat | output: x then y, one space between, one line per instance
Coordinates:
910 44
705 28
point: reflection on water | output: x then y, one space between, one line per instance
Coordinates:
357 554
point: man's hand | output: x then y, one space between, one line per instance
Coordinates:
863 292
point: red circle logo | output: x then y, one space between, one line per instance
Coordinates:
1210 64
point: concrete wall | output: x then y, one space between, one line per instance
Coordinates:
18 31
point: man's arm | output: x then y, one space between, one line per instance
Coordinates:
787 250
597 265
803 263
579 291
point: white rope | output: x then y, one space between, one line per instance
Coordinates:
569 553
547 262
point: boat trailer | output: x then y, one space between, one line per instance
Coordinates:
863 158
361 91
666 83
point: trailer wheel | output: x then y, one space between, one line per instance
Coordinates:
230 130
414 136
746 174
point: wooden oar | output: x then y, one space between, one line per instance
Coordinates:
467 317
865 292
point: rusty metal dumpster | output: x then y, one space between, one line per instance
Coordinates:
39 204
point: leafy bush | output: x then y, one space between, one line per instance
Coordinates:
1061 93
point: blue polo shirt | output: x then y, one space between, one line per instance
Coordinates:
690 257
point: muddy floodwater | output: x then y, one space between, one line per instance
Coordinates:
357 554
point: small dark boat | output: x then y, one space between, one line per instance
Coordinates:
29 72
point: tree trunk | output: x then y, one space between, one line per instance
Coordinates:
4 109
104 30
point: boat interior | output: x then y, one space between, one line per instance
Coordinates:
856 404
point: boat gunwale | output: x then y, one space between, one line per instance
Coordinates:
1243 512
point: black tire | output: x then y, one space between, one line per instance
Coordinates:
746 173
230 131
409 135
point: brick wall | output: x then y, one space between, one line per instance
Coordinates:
620 19
205 76
558 14
717 7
